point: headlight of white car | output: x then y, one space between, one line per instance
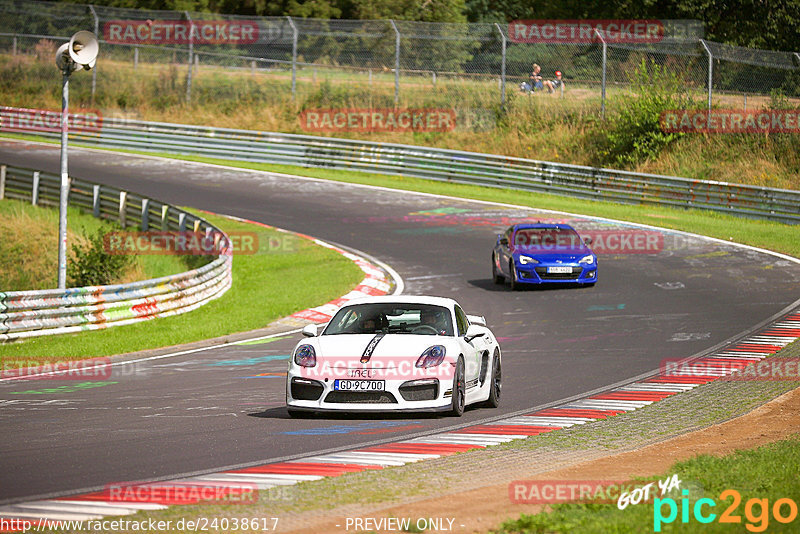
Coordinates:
525 260
305 356
587 260
432 356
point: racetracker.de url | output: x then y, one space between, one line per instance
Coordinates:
200 524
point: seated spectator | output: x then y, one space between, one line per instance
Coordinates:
534 80
552 85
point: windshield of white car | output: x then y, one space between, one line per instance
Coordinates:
392 318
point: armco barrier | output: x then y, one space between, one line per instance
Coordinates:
26 314
430 163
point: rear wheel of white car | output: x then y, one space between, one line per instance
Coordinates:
459 390
495 385
497 278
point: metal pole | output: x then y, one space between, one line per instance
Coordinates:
294 56
62 207
191 53
710 70
135 57
603 81
96 32
14 50
396 63
502 67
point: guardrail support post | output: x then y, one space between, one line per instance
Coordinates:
294 56
396 63
3 170
710 70
165 217
181 222
35 191
196 225
502 67
96 201
145 214
123 208
603 80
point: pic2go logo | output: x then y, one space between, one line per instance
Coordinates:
756 511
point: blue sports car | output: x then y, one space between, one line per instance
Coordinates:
539 253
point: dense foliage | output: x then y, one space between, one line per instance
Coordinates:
752 23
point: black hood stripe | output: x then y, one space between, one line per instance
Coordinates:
371 347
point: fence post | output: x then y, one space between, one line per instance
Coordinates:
798 58
135 57
294 56
145 214
96 201
123 211
396 63
14 46
710 70
2 182
35 191
603 80
97 33
191 53
502 67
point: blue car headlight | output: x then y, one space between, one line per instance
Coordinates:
525 260
305 356
587 260
432 356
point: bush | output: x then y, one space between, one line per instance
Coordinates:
634 134
92 266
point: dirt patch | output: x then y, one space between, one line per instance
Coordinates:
479 510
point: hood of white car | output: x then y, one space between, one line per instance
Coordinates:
344 349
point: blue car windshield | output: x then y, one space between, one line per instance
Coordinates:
391 318
547 239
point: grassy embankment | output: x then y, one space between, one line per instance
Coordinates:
540 126
761 478
276 281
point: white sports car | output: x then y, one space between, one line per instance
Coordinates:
395 353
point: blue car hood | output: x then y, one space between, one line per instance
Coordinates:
564 254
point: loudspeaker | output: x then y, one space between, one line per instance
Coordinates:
62 57
83 48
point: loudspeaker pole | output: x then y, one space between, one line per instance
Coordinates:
64 198
80 52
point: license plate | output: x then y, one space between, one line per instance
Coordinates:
559 270
359 385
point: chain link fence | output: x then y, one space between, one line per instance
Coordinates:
383 63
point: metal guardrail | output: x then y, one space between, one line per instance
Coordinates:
26 314
431 163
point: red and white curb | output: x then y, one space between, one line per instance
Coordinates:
753 348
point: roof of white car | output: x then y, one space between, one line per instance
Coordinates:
413 299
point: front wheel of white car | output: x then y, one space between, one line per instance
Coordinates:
459 391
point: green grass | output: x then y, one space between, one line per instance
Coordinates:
266 286
768 472
30 255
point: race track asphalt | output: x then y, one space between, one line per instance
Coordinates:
225 406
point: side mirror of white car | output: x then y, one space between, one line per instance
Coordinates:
310 330
473 332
